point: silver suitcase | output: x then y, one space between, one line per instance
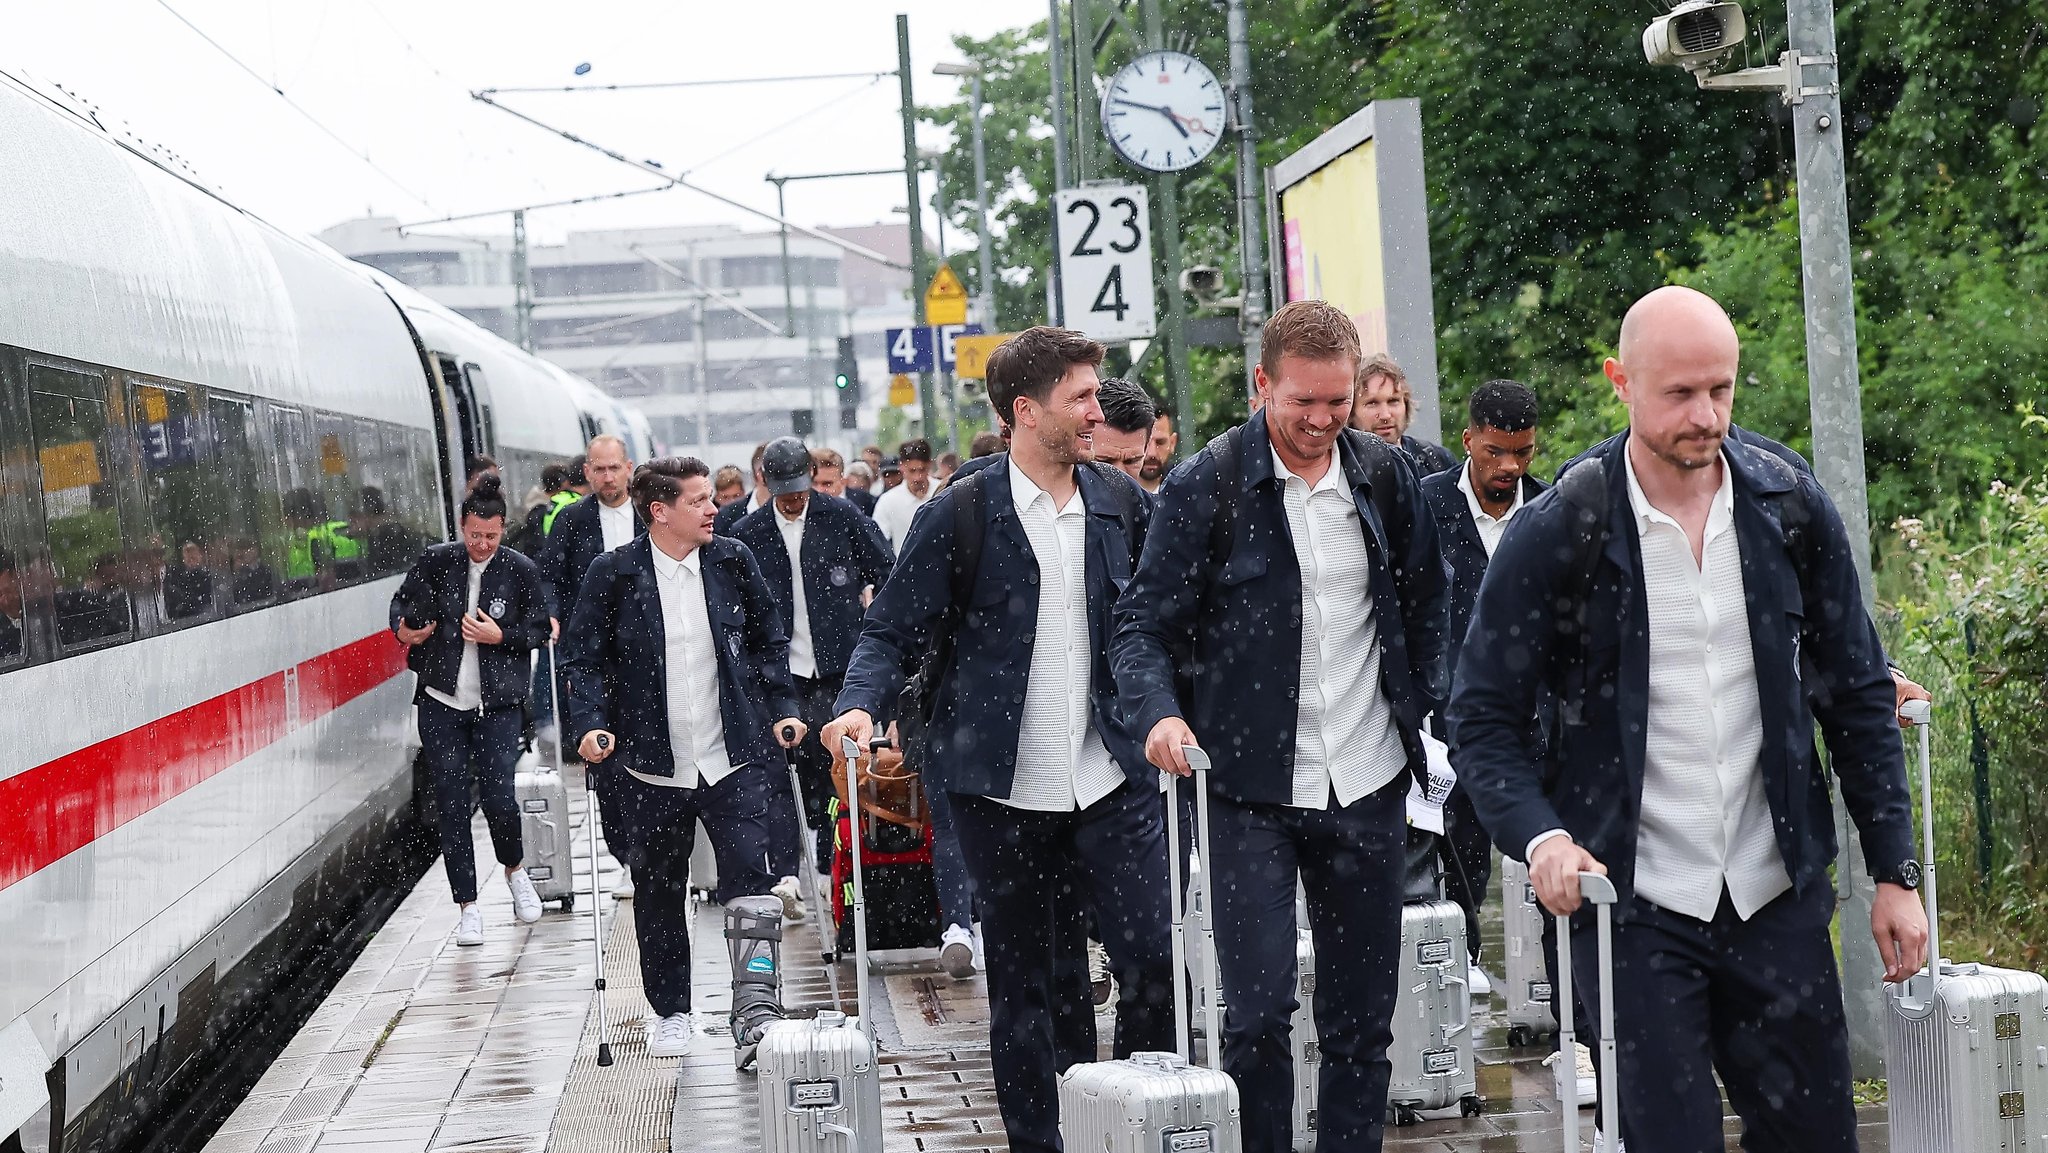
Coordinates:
1308 1049
1527 985
1966 1045
1158 1102
1599 892
1432 1047
544 834
820 1081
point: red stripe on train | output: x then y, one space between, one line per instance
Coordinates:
63 805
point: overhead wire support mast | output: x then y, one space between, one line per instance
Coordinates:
651 169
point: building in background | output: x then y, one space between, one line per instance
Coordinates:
687 323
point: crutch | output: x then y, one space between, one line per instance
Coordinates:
806 841
604 1045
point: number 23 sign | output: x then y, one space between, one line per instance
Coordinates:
1104 236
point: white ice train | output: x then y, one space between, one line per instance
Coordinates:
219 445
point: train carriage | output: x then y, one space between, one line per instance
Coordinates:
220 446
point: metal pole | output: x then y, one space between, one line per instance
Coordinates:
1835 397
1250 219
1176 310
703 365
929 404
988 257
1056 58
947 379
522 284
1081 55
788 293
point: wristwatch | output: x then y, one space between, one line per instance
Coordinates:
1905 874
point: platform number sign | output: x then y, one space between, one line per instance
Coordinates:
1104 232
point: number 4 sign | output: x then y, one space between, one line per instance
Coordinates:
1104 236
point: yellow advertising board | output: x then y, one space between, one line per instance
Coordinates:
971 353
1330 238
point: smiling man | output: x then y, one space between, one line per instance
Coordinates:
1293 569
1007 582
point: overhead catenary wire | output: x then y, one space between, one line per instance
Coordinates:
653 169
659 84
536 207
765 133
295 106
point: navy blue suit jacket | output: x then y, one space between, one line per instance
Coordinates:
1464 552
980 701
1817 659
728 517
862 499
576 540
618 657
436 589
1233 621
842 553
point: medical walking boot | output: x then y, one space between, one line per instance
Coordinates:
753 933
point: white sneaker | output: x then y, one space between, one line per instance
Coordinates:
1588 1082
471 930
525 901
1600 1144
956 952
1100 986
1475 979
623 891
792 898
671 1036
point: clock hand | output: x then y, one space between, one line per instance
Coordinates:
1169 113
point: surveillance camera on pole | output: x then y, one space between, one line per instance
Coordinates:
1204 282
1697 35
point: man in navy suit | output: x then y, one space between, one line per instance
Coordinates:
1052 799
598 523
1292 582
1473 504
842 557
1692 603
678 675
471 614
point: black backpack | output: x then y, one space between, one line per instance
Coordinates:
921 689
1583 486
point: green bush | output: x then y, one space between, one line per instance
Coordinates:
1969 619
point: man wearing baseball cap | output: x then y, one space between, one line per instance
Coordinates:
820 556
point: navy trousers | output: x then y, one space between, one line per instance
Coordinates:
461 749
735 815
1035 875
949 866
1467 854
1757 1001
1350 863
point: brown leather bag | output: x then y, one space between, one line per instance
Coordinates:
892 801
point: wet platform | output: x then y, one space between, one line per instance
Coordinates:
426 1047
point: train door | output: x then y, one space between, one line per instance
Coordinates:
460 432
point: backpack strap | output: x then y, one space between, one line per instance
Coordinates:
1584 488
1224 450
967 532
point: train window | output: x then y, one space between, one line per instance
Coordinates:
300 541
380 521
339 467
236 525
74 437
171 580
428 516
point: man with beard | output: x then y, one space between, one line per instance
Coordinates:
1053 802
1385 407
1691 602
1473 504
1159 453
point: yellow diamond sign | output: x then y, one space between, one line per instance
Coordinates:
970 353
901 391
945 302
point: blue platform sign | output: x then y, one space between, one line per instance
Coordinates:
910 349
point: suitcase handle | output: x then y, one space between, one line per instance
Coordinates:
851 751
1914 994
1598 891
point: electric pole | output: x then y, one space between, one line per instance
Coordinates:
1250 213
914 204
522 284
1835 399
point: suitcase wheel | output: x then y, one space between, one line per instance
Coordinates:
1468 1107
568 902
1404 1116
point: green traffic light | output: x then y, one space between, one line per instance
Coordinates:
842 380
